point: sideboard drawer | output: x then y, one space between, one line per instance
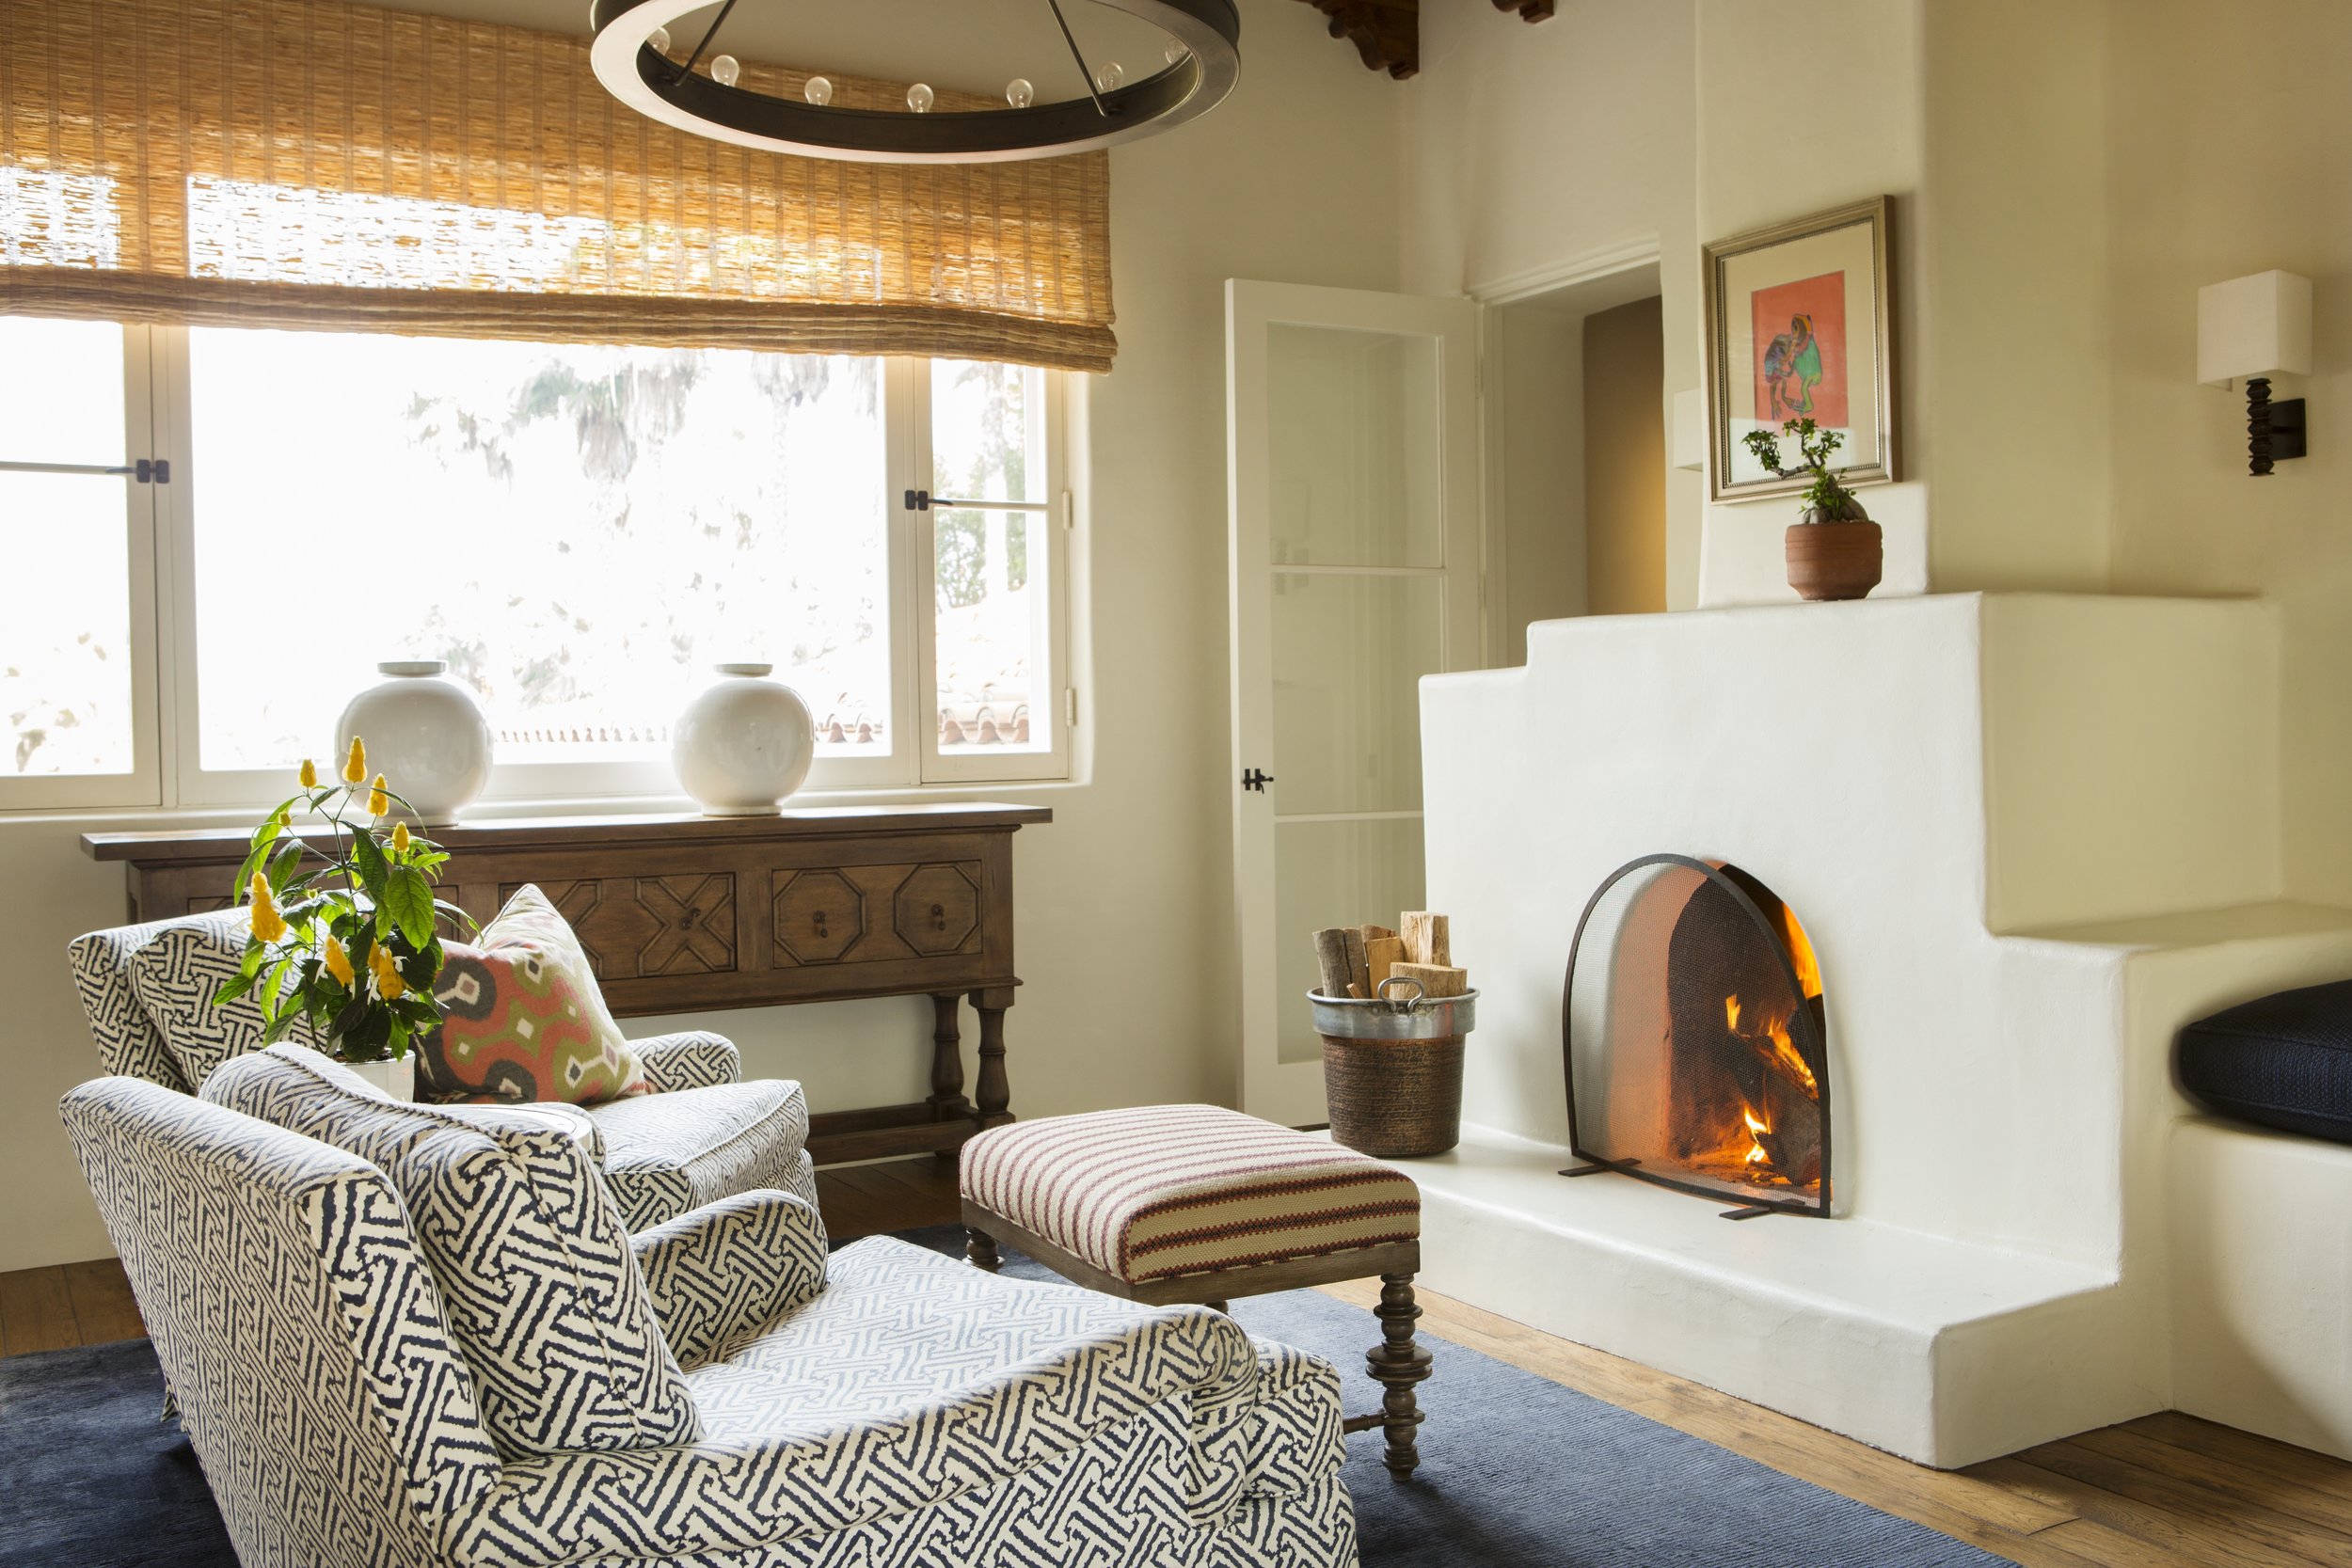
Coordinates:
850 914
636 927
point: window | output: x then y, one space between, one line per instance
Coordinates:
579 531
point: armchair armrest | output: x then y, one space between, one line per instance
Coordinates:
728 1266
694 1059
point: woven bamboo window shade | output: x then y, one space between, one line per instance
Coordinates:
314 164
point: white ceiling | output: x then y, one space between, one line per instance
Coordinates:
973 45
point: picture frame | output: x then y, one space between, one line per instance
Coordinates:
1799 321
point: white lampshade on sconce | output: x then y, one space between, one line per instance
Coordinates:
2250 329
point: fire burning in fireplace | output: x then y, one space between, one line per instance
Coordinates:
1701 1064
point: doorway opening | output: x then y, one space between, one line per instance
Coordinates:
1576 384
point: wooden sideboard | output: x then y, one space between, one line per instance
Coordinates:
694 914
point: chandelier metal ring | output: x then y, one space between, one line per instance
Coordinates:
656 86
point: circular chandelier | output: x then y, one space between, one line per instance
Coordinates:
637 61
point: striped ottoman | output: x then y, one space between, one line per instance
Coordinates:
1196 1203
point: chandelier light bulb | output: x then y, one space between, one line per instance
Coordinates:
1019 93
725 70
919 98
659 41
1174 54
1110 76
818 91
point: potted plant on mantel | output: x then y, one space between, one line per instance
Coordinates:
349 947
1834 550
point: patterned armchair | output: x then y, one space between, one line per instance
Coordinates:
703 1134
886 1406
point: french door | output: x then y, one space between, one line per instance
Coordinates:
1352 470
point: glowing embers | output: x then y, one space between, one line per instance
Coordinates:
1693 1031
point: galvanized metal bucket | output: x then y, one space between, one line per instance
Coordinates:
1393 1068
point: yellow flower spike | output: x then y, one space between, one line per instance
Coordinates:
400 838
267 923
388 984
338 960
378 802
309 774
356 766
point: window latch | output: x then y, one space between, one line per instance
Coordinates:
918 500
151 470
1256 779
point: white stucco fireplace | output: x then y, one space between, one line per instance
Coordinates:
2029 836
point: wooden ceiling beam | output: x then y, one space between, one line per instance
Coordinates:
1387 33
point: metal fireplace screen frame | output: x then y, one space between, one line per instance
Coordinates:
1655 911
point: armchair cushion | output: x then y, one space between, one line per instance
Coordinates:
729 1269
544 1298
915 1380
522 1018
173 975
691 1059
667 1153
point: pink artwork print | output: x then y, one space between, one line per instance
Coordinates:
1800 351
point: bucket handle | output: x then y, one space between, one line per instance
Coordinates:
1408 1006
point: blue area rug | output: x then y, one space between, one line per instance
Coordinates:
1517 1472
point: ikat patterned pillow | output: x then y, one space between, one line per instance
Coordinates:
522 1018
536 1271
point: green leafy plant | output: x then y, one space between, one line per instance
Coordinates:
1825 499
346 943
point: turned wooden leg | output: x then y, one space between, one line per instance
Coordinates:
993 1095
1397 1364
980 1248
946 1102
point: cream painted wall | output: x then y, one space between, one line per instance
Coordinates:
1536 407
2231 151
1528 149
1294 179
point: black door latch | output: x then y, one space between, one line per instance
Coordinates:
1255 780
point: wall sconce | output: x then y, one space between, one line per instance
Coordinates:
2258 327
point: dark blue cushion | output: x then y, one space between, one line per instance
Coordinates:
2284 1061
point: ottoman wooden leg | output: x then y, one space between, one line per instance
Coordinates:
980 1247
1398 1363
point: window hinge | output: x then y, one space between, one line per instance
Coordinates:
1070 706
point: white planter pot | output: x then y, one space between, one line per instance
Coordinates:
425 734
744 745
395 1078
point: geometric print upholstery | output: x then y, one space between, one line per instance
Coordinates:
908 1383
541 1290
173 974
916 1412
179 962
1161 1190
667 1153
730 1268
298 1324
689 1059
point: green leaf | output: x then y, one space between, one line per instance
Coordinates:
465 921
408 899
273 987
279 1026
282 866
367 858
231 989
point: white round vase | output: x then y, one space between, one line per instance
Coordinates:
396 1077
425 734
745 744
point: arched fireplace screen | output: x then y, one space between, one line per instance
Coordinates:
1692 1027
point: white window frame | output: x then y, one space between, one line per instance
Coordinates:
141 786
167 696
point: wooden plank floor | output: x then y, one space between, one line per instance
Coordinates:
2163 1492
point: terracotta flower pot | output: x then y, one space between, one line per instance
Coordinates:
1834 560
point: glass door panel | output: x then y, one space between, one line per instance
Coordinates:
1349 652
1355 447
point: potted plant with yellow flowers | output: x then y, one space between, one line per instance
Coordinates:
346 943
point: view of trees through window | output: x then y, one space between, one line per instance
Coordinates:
580 531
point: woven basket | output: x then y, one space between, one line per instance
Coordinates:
1399 1100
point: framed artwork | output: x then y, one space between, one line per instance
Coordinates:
1799 324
